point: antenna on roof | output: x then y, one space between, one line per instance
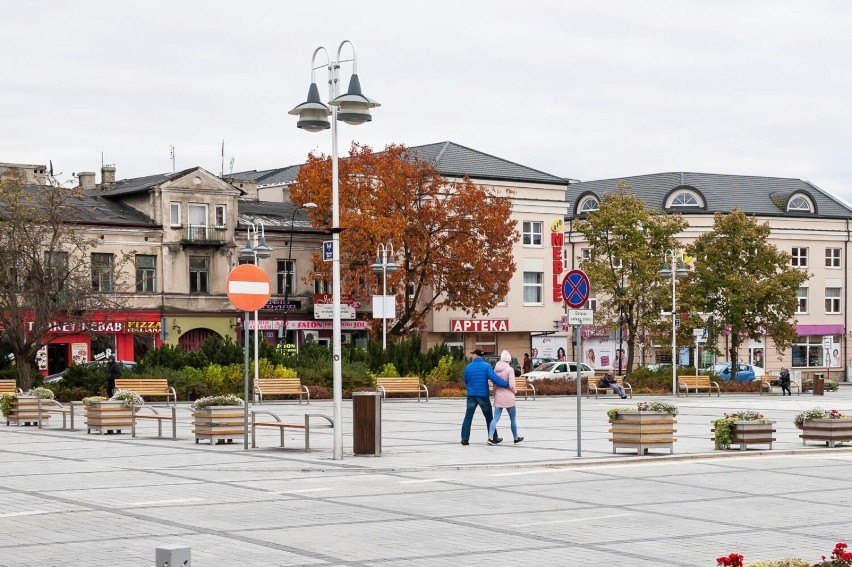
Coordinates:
172 154
51 168
102 159
231 170
222 171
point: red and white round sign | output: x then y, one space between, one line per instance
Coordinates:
248 287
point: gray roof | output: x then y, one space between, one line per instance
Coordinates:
142 184
451 160
274 216
765 196
90 208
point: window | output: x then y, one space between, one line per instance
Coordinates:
322 286
799 257
146 273
586 253
589 205
174 212
802 300
685 200
832 257
533 288
285 276
532 233
57 264
199 274
809 351
101 272
799 204
411 290
197 214
832 300
592 303
220 216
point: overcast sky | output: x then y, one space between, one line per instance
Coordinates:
586 90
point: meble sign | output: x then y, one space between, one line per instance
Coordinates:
479 325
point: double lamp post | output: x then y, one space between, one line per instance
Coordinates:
677 271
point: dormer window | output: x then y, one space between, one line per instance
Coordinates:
684 197
589 205
799 204
684 200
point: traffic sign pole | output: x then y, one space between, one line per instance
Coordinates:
575 291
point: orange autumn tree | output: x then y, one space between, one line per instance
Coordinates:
452 239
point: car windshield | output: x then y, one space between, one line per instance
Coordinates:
546 367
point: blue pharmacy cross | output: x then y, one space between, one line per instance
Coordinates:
576 288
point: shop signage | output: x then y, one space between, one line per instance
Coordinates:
308 325
278 305
144 326
479 325
557 242
82 326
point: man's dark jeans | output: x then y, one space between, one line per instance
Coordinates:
484 403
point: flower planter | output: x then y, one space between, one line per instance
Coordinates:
643 430
745 433
108 416
828 430
219 424
25 411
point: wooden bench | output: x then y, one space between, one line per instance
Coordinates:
9 387
594 385
522 386
147 387
65 411
696 383
401 385
282 425
280 387
159 417
767 382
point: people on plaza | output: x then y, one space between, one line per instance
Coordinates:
608 380
113 372
784 382
560 354
527 367
504 398
476 376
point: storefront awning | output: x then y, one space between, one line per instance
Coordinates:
803 330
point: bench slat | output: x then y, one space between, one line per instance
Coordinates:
280 387
401 385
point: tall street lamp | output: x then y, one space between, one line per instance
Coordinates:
352 108
255 248
678 270
384 264
290 267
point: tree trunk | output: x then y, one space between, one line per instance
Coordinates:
24 373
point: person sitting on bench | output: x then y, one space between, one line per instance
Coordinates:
609 381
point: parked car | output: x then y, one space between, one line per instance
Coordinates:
560 370
493 360
745 372
52 378
538 361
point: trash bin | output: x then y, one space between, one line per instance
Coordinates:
819 384
367 423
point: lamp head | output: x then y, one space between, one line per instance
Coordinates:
247 252
391 267
354 107
313 114
262 249
309 206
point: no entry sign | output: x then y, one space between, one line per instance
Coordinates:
249 287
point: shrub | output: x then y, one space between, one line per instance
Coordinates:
6 403
449 369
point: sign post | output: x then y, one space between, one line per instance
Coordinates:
575 291
248 289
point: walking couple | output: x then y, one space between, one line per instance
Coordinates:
476 377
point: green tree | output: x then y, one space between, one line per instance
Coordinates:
628 244
744 281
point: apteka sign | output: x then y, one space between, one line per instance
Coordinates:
479 325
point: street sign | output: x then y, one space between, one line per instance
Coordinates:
581 317
248 287
576 288
677 323
327 250
699 332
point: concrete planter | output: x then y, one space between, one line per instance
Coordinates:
751 432
25 411
219 424
828 430
108 416
643 430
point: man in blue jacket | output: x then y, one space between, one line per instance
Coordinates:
476 377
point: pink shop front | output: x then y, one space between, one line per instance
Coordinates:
272 331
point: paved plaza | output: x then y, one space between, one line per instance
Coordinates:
77 499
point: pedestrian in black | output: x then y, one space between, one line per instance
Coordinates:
784 381
113 372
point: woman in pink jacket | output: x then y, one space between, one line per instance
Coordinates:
504 397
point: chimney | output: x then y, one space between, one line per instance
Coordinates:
86 179
108 176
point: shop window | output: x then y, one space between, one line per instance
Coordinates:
532 233
832 300
533 288
199 274
286 269
142 344
103 345
808 351
799 257
146 273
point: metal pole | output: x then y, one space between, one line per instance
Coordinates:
245 381
336 362
674 328
292 269
579 330
384 298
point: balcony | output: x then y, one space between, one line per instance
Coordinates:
198 235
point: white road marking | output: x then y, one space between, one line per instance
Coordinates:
297 490
567 520
420 481
158 502
30 513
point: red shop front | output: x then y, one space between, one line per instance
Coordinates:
127 335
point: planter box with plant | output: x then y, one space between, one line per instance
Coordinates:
27 408
218 419
830 426
112 415
742 428
650 425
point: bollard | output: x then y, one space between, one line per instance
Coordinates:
367 423
172 556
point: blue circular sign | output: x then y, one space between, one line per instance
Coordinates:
576 288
